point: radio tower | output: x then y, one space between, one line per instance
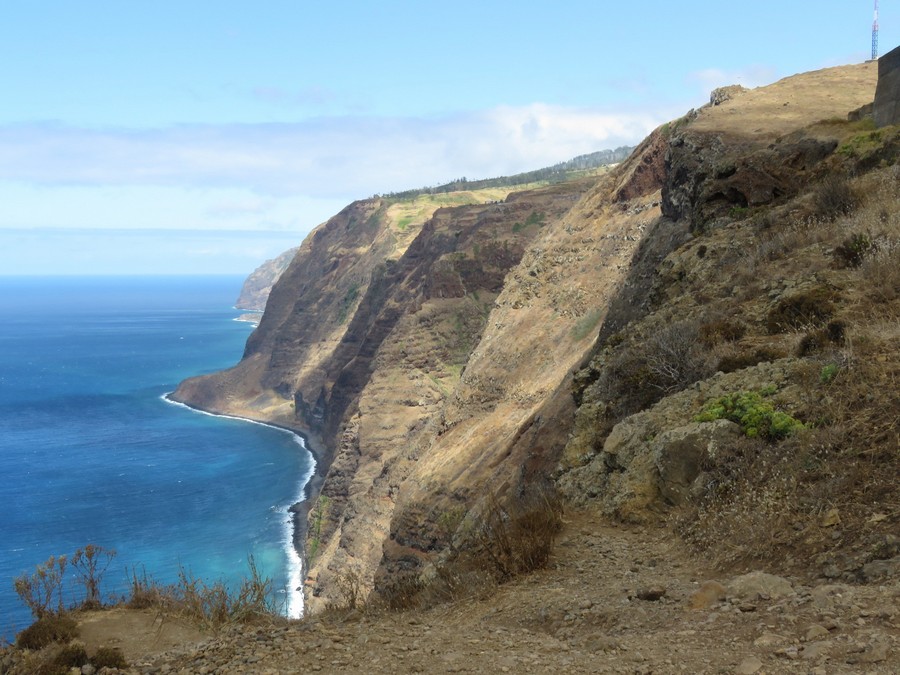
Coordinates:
875 34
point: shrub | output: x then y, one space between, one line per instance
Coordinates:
733 362
109 657
828 373
72 655
835 197
47 630
817 340
853 250
518 537
810 308
673 359
721 330
90 563
756 416
38 589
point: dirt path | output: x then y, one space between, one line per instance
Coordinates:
615 600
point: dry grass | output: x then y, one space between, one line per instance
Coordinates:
819 278
502 541
766 501
210 606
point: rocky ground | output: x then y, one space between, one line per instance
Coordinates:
615 599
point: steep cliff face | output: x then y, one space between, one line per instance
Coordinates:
258 285
434 363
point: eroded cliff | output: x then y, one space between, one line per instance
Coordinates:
433 363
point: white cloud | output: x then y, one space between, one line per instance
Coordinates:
711 78
338 157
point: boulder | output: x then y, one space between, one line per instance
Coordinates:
760 586
679 455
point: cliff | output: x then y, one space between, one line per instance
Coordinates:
258 285
433 359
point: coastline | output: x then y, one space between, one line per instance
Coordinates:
299 510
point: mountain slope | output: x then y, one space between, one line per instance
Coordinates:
433 366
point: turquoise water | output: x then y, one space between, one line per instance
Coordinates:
90 452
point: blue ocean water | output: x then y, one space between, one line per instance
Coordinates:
91 453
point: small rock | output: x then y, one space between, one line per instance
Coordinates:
831 518
709 593
816 632
759 585
875 653
791 653
749 666
769 640
652 594
816 650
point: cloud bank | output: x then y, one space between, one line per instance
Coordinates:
342 157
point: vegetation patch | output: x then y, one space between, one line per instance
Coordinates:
47 630
533 219
811 308
854 249
586 324
738 361
835 196
315 526
755 414
348 303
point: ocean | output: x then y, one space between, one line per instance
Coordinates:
91 453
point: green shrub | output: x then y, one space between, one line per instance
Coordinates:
756 416
828 373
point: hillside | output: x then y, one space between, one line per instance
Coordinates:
428 363
694 357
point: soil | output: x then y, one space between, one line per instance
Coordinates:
615 599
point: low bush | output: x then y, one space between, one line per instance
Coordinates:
756 416
72 655
47 630
803 310
738 361
517 537
815 341
714 332
109 657
506 539
854 249
834 196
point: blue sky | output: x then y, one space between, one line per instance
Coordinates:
205 137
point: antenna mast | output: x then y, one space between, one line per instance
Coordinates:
875 34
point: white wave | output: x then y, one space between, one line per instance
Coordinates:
294 591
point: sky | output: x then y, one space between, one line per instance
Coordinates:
200 137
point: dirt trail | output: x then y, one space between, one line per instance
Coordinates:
616 599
